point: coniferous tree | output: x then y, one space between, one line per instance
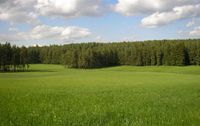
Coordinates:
95 55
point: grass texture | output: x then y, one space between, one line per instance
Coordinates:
51 95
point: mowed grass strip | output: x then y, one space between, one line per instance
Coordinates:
50 95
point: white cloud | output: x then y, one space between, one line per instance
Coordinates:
69 8
28 11
44 32
158 19
132 7
195 32
159 12
191 23
13 29
18 11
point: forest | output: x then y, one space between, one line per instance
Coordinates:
97 55
13 58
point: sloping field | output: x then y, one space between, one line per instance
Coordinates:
117 96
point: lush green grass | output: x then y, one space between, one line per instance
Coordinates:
138 96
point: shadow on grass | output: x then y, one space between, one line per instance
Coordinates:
26 71
39 71
94 68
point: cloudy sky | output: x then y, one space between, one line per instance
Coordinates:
44 22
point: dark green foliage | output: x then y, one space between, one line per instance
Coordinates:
90 56
34 55
150 53
13 58
97 55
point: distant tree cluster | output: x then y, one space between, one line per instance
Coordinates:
13 58
96 55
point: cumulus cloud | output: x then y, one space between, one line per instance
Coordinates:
69 8
132 7
43 32
158 19
18 11
195 32
159 12
191 23
13 29
28 11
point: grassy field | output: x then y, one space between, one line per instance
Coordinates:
51 95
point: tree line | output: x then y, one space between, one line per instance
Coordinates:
13 58
97 55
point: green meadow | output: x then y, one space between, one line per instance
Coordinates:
51 95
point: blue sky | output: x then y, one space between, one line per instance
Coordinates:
45 22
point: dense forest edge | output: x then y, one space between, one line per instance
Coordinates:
97 55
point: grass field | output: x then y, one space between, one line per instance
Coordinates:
51 95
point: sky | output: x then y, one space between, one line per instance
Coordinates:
45 22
